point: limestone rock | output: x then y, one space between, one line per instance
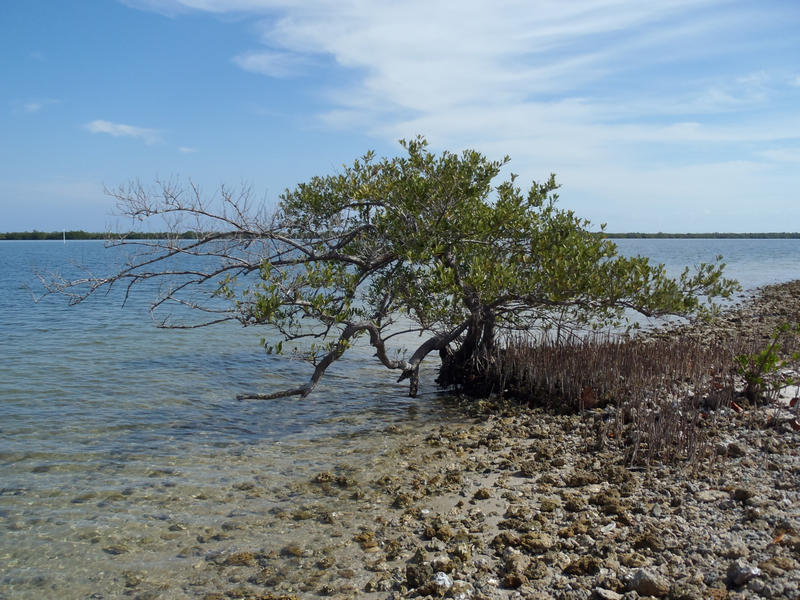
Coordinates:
604 594
649 583
739 573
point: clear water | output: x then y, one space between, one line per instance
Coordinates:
121 443
111 430
752 262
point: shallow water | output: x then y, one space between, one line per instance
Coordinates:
113 430
124 455
752 262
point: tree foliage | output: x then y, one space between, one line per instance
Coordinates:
423 242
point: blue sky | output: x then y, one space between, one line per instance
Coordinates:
679 115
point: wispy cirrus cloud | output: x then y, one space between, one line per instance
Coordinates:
172 8
274 64
420 61
789 155
149 136
35 106
621 98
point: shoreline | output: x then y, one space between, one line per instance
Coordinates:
522 503
495 501
80 234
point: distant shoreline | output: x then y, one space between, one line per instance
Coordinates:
84 235
706 236
87 235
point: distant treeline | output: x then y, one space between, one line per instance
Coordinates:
685 236
86 235
138 235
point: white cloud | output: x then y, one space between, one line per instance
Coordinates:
692 197
424 59
786 155
34 106
149 136
274 64
619 96
425 56
187 150
173 7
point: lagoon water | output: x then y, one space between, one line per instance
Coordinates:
121 443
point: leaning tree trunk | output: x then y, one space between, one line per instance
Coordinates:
466 367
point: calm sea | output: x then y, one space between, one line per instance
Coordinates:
112 429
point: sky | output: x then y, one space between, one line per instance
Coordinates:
664 115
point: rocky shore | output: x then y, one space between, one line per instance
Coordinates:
523 503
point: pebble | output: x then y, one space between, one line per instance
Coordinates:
442 582
649 583
710 496
604 594
739 573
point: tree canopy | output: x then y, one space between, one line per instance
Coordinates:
423 242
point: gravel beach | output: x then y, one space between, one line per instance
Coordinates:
522 503
514 502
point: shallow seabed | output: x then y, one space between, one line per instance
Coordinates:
124 455
141 525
